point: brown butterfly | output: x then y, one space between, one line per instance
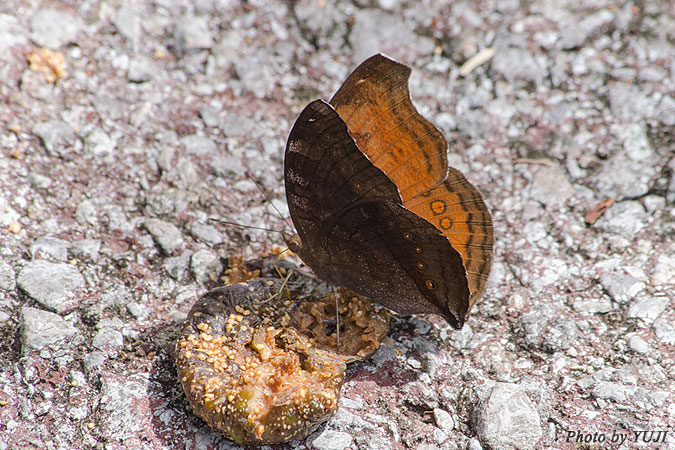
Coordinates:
377 208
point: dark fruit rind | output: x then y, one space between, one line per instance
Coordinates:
258 360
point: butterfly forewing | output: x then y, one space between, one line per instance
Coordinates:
354 230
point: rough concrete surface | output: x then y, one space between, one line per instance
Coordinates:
126 125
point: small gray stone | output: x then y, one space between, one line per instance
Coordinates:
664 331
664 270
624 218
177 265
628 103
575 33
99 142
137 310
551 186
561 335
57 137
88 248
7 276
109 107
204 264
377 31
610 391
93 361
506 418
443 419
124 404
227 166
474 444
593 306
235 125
332 440
141 69
210 115
636 144
518 64
11 32
51 284
666 111
199 145
128 24
206 233
39 181
86 212
41 328
621 176
108 340
192 33
166 234
638 345
53 28
647 308
50 246
620 287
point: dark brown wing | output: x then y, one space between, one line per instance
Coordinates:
355 231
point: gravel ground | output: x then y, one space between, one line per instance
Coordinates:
137 121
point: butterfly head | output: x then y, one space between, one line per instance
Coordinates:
293 243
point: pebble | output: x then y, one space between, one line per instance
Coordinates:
332 440
647 308
236 125
58 137
42 328
128 24
443 419
177 265
622 288
664 270
11 32
551 186
53 28
561 335
108 340
205 264
624 218
506 418
620 176
141 69
51 284
49 246
87 212
192 33
86 248
628 103
167 235
639 345
575 33
124 401
527 69
376 31
93 361
610 391
664 330
206 233
7 276
199 145
227 166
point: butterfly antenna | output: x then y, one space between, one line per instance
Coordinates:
227 222
264 194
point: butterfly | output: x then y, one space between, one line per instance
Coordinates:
375 205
